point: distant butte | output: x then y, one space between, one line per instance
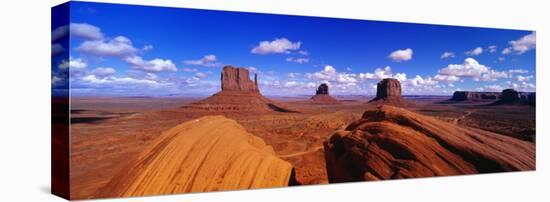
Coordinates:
322 96
238 93
388 91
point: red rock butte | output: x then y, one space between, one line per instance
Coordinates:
238 93
322 96
388 91
391 143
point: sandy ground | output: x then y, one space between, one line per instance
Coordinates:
107 132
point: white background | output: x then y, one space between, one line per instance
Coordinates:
25 100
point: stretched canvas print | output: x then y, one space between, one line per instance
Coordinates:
156 100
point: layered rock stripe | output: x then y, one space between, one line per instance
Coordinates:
212 153
392 142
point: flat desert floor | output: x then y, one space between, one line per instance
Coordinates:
107 132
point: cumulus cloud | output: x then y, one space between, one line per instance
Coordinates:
73 64
522 45
207 61
303 52
155 65
446 55
60 32
293 75
401 55
103 72
518 71
475 51
446 78
57 49
418 81
491 88
118 47
492 75
470 68
201 75
492 49
401 77
378 74
521 78
187 69
297 60
118 81
279 45
252 70
522 86
85 31
147 47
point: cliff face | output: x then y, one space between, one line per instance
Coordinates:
388 92
237 79
322 96
391 143
238 93
212 153
475 96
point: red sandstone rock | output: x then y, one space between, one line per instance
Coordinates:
391 143
388 91
237 79
322 96
238 93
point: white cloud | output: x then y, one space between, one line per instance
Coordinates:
507 51
73 64
85 31
155 65
401 77
57 49
297 60
522 86
492 75
103 72
491 88
446 78
60 32
56 80
401 55
492 49
501 59
303 52
293 75
252 70
201 75
524 78
147 47
522 45
475 51
446 55
279 45
470 68
518 71
378 74
119 82
118 47
207 61
187 69
419 81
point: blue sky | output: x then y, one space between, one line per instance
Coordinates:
158 51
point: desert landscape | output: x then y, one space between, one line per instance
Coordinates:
156 100
240 139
